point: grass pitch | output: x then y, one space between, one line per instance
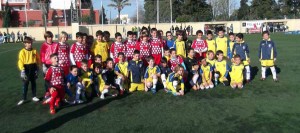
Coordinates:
260 107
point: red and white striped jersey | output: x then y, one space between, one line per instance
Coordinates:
175 62
55 75
63 54
79 52
156 45
145 49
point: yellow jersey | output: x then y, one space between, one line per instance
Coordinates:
122 68
222 67
150 71
221 44
206 71
100 48
28 57
211 44
168 58
170 80
211 62
85 75
236 73
180 48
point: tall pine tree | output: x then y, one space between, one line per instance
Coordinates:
243 11
7 16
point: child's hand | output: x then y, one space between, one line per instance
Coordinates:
224 78
274 59
68 85
91 81
23 75
248 60
181 92
232 60
146 89
52 90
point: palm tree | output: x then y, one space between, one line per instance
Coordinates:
119 5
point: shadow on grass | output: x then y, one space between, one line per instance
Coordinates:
60 120
254 70
268 72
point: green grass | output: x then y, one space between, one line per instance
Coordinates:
259 107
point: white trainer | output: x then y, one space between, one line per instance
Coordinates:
20 102
35 99
79 101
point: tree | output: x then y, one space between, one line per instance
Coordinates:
7 16
85 4
141 13
92 15
44 6
289 8
102 12
263 9
119 5
243 11
150 11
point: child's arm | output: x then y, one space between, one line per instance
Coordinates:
259 51
158 71
274 51
71 54
182 87
247 53
227 71
21 64
111 53
117 71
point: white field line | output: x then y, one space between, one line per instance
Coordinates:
9 50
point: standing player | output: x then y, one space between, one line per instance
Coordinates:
180 45
117 47
221 42
199 45
267 54
63 52
211 43
230 44
144 47
130 45
100 47
157 46
78 51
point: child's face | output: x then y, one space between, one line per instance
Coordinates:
63 39
84 40
134 37
79 39
74 71
180 71
145 39
179 37
54 60
28 45
173 54
98 60
154 34
221 34
231 37
196 67
211 56
110 65
161 33
130 37
237 61
209 36
121 58
169 36
136 57
97 70
151 63
167 53
220 57
164 64
265 36
84 67
238 39
49 39
99 38
203 62
119 39
200 35
191 53
106 38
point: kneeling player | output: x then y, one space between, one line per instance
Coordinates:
236 73
206 73
175 82
151 75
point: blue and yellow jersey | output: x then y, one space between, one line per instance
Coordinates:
180 48
223 68
229 49
211 44
122 68
136 70
150 71
221 44
236 73
241 49
267 50
170 80
205 71
85 75
211 62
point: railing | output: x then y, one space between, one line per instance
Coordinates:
14 1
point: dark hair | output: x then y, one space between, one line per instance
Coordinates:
129 33
219 52
166 49
27 40
73 67
121 53
240 35
220 29
53 55
194 63
179 32
210 51
84 34
237 56
79 34
231 34
84 61
164 60
109 59
168 33
149 58
209 32
106 34
98 56
135 33
99 33
118 34
48 34
97 65
189 50
199 31
265 32
136 52
172 49
153 29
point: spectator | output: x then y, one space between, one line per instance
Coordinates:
19 37
5 37
13 36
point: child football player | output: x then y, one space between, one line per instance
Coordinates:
170 41
236 73
121 69
72 81
109 77
117 47
199 45
157 46
190 59
130 45
175 83
241 48
195 79
84 81
28 65
100 47
176 60
63 52
78 51
222 42
267 54
206 74
98 82
165 71
144 47
152 74
55 79
180 45
211 43
166 53
221 69
230 44
97 59
136 69
210 58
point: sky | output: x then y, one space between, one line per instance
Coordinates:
130 10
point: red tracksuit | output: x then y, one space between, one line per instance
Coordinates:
78 52
145 50
117 48
201 47
157 47
130 47
63 57
46 51
55 78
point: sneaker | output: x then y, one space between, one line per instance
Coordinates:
153 90
35 99
276 80
102 97
20 102
262 79
52 111
79 101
